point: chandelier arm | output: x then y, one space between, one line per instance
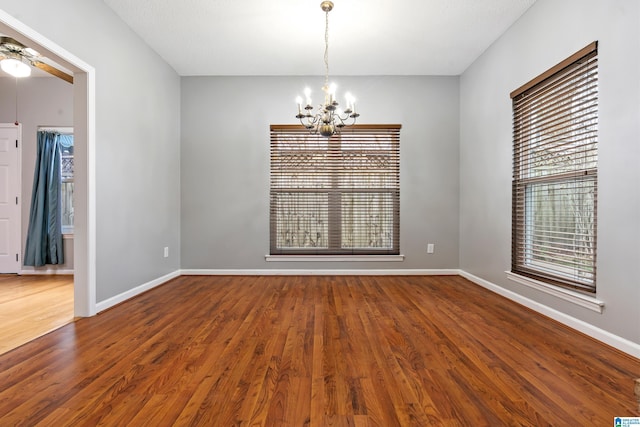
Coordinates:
345 117
342 120
310 122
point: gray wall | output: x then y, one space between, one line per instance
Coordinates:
42 101
137 139
550 31
225 165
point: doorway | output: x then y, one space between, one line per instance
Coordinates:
84 129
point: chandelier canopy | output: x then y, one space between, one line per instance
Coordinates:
328 118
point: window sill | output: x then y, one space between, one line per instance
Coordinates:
334 258
574 297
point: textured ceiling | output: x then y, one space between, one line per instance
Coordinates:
286 37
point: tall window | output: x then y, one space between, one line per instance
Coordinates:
335 196
555 156
65 138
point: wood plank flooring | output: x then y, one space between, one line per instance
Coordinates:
31 306
316 351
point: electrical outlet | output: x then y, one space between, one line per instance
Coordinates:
430 248
166 251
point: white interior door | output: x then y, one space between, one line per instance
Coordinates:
10 249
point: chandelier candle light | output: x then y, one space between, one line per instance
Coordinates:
328 120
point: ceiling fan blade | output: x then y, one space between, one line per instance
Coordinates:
54 71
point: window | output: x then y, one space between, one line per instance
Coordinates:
65 142
336 196
555 120
66 168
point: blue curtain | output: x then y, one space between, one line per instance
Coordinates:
44 237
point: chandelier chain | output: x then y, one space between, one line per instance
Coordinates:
326 49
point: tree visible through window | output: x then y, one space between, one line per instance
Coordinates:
335 196
555 120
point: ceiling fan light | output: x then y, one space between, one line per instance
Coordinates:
15 67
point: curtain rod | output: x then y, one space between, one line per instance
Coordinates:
59 129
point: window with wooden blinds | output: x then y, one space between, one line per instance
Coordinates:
555 159
335 196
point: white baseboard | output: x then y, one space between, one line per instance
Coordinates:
108 303
320 272
615 341
47 271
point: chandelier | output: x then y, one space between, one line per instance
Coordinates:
328 118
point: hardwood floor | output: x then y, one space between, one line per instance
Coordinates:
31 306
316 351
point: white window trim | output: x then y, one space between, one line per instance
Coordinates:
586 301
334 258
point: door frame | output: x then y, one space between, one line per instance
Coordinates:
84 120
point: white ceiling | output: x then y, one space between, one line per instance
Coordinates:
286 37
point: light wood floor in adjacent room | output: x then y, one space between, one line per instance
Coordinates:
31 306
316 351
